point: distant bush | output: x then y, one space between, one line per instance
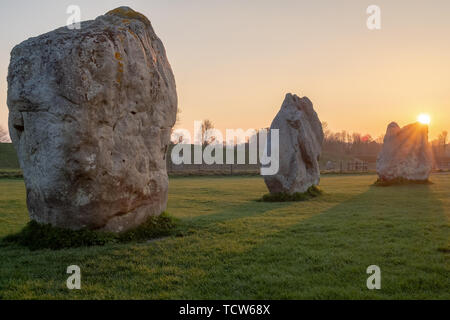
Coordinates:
11 174
399 181
312 192
37 236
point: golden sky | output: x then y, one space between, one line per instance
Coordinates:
235 60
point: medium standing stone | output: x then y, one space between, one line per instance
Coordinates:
91 112
301 138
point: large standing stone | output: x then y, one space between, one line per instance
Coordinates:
301 138
406 153
91 112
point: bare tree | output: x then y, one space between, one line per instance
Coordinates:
380 139
177 122
4 136
443 141
444 137
176 138
207 125
356 138
326 130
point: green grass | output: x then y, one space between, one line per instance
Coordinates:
8 156
312 192
232 247
37 236
399 182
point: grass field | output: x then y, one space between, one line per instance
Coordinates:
8 157
237 248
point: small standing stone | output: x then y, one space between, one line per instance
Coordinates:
406 153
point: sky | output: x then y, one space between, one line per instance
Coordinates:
235 60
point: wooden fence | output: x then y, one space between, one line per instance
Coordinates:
357 166
204 169
239 169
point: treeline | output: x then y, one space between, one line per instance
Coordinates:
4 136
441 150
355 144
359 145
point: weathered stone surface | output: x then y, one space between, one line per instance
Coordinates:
406 153
301 138
91 112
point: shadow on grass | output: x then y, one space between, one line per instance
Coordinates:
247 209
326 255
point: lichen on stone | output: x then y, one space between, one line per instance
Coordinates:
128 13
133 34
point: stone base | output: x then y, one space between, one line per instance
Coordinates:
312 192
399 181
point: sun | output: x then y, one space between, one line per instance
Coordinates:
424 118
